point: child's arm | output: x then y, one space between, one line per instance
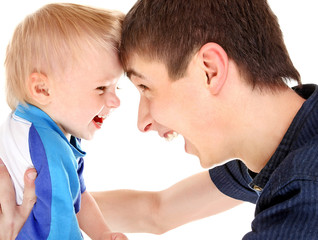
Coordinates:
91 220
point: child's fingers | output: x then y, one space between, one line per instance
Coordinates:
119 236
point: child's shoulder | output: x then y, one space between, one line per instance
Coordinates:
51 139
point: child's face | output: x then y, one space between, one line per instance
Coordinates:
85 94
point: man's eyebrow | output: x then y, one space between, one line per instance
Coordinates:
131 72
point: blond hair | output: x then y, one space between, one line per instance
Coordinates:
45 40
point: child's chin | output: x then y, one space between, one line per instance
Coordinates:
88 138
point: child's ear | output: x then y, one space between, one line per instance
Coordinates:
214 62
39 88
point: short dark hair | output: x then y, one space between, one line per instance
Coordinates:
171 31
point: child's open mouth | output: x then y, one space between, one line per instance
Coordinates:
98 121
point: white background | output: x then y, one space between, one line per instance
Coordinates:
121 157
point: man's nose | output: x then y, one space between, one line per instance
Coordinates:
145 121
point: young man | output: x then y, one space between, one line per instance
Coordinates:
216 72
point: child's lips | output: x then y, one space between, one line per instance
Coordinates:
98 121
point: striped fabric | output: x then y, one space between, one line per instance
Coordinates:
286 190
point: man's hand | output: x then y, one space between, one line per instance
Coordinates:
13 217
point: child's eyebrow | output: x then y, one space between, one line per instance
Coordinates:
107 79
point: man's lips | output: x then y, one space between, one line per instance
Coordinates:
98 121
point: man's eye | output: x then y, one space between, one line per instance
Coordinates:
142 87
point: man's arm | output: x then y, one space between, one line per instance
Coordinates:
158 212
127 210
91 220
12 217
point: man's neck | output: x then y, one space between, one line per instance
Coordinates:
267 118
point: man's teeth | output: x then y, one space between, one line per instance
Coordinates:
171 136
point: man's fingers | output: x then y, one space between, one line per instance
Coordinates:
3 169
7 192
29 197
12 217
29 178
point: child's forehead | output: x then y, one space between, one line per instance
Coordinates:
99 64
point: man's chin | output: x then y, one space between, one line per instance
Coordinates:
188 148
205 165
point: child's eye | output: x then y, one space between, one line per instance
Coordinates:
101 89
119 87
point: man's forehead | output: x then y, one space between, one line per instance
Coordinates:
134 66
139 64
131 72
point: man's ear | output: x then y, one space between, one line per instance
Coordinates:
214 61
39 88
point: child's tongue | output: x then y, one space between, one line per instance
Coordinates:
98 119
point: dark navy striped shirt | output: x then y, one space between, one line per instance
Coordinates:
286 189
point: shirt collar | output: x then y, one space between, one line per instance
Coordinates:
294 136
40 118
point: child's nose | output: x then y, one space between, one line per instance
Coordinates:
112 100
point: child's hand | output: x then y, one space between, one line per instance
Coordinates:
118 236
114 236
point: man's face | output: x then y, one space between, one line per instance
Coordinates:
184 106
